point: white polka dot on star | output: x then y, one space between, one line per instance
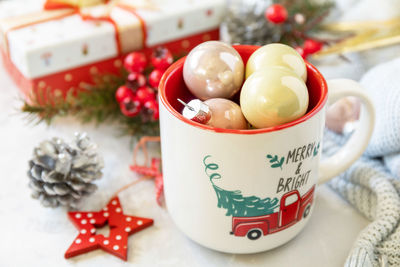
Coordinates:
83 231
118 210
92 221
91 240
106 242
78 241
118 237
116 247
90 215
127 229
128 219
78 215
83 221
114 202
139 222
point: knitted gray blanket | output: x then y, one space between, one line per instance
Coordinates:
372 184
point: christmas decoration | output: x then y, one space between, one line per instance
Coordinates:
215 112
311 46
208 74
155 77
101 34
121 226
259 22
62 173
362 35
276 13
127 98
161 58
277 55
225 114
233 200
196 111
149 170
145 94
122 93
342 115
135 62
130 106
273 96
135 80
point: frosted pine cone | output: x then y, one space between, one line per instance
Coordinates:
61 173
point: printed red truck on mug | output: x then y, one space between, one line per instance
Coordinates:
292 209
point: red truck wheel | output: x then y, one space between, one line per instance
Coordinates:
254 234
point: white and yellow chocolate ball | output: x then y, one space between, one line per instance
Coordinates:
213 69
273 96
276 55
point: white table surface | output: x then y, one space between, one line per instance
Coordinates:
35 236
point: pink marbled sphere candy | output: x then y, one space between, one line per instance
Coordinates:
225 114
213 69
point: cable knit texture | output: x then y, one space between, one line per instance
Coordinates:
372 184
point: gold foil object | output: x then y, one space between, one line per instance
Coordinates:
366 35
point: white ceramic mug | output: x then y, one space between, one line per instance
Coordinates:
246 191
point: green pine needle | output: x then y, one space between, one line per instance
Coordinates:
96 103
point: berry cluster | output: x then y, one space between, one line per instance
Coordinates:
139 94
278 14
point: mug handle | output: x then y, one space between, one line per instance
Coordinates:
358 142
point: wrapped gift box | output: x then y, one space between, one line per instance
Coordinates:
62 49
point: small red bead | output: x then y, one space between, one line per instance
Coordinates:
135 80
161 58
276 14
135 62
130 106
152 105
312 46
145 94
123 92
155 77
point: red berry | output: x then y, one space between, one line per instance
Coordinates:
155 77
130 106
152 106
301 51
276 13
135 62
311 46
145 94
135 80
161 58
123 92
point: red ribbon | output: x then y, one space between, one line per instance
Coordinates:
53 5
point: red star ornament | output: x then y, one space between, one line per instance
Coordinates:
121 226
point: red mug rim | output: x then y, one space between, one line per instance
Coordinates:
179 64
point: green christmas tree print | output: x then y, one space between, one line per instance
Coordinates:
234 202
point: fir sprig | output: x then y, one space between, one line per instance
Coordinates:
94 103
314 13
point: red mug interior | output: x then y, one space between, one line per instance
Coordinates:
172 87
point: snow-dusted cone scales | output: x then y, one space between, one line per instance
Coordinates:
62 173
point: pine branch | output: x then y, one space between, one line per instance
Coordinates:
94 103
